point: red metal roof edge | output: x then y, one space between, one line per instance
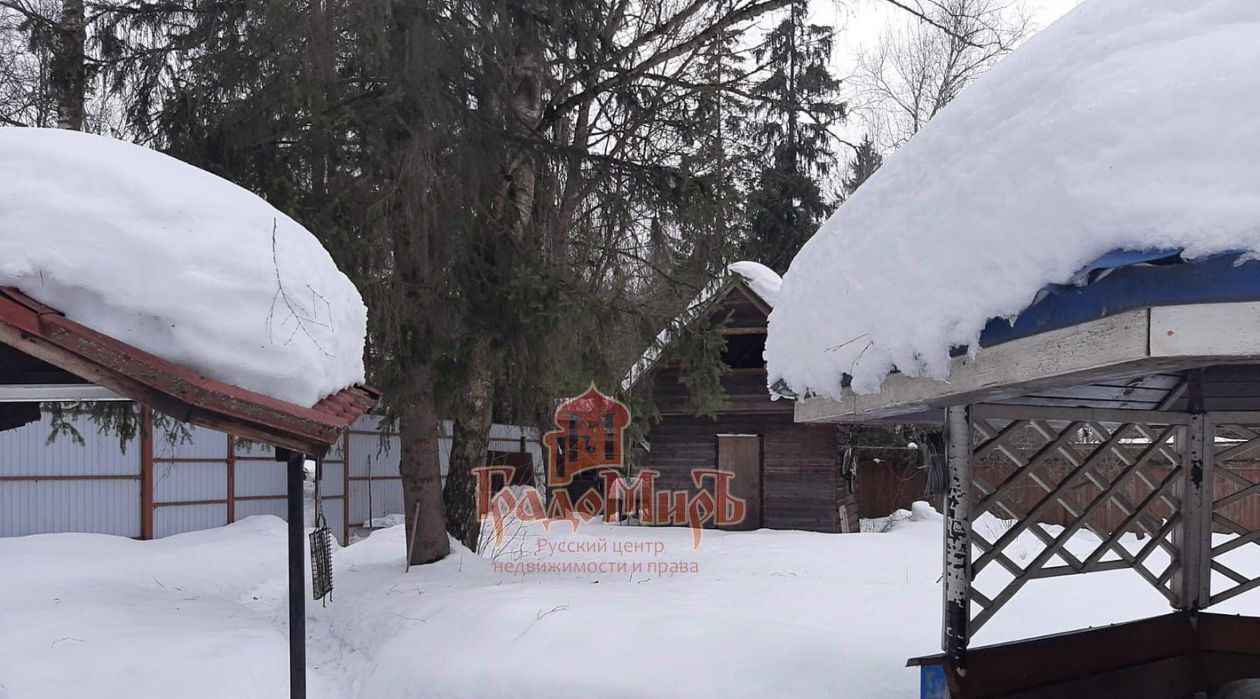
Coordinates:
47 334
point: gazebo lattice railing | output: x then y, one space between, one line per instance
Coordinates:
1126 407
1045 474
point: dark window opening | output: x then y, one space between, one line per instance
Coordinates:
744 351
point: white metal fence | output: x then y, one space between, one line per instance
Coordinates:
206 480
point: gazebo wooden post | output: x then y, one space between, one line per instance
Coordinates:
957 572
1192 539
297 576
146 472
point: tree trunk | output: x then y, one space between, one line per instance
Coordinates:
472 410
68 78
472 414
422 472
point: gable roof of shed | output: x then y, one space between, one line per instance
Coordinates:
47 335
708 298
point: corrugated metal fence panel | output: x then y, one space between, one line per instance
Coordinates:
249 508
192 442
258 478
189 481
187 518
386 499
106 502
369 456
45 507
245 448
333 483
333 511
373 465
191 474
26 451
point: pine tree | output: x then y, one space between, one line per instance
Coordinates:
796 105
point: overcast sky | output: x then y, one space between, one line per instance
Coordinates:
859 22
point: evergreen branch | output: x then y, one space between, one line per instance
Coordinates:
29 14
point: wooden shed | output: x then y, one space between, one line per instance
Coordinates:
792 475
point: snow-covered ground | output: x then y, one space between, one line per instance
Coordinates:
766 613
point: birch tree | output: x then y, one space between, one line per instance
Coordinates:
927 57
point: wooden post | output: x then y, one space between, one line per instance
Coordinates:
1192 539
297 576
957 564
231 478
146 472
345 486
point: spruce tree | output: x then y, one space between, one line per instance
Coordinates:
795 106
866 160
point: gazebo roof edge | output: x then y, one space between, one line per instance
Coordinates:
1134 343
45 333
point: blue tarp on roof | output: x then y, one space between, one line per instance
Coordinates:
1124 280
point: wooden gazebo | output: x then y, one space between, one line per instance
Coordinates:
45 356
1127 406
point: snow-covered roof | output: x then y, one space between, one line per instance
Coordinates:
762 281
176 262
1128 124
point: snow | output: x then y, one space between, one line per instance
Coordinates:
178 262
191 616
1126 124
764 613
761 279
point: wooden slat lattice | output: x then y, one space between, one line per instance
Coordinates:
1039 480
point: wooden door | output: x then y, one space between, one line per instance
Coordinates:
741 455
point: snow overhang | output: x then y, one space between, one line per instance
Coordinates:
45 334
1115 351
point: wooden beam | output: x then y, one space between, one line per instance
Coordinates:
1027 412
742 331
751 295
1220 329
46 335
146 472
1057 358
231 478
56 393
83 477
345 488
1131 344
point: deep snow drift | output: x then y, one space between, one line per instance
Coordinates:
1126 124
755 614
178 262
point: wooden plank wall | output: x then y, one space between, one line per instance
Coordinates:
800 468
890 480
745 393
